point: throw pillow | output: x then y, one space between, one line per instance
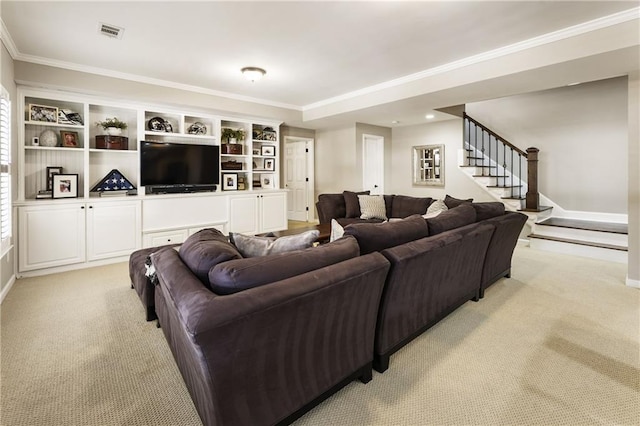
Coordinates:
379 236
352 205
456 217
237 275
372 207
437 207
250 246
455 202
337 231
205 249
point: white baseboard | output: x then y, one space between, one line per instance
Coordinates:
6 288
633 283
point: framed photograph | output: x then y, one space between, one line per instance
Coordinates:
269 150
229 181
65 186
52 170
269 164
69 139
266 181
256 151
43 113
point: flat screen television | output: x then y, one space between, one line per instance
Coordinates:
182 166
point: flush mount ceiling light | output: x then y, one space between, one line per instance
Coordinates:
429 116
253 73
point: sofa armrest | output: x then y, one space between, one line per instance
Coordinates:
279 346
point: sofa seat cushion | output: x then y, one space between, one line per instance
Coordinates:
352 205
404 206
488 210
344 221
377 237
241 274
455 217
372 207
254 246
205 249
455 202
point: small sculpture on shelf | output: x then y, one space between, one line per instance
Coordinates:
113 126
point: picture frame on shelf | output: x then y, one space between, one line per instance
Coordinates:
269 164
256 151
268 150
43 113
64 186
229 181
266 181
52 170
69 139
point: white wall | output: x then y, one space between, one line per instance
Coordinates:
448 133
336 161
582 135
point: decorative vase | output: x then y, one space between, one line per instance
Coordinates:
114 131
48 138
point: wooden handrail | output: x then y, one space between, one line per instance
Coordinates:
495 135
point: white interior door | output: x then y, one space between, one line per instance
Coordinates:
373 164
298 158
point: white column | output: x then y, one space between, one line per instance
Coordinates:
633 274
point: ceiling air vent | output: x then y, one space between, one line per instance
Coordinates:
110 30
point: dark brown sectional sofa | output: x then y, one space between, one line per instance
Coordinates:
260 341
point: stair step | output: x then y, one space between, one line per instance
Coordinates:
578 242
493 176
538 210
504 186
513 198
481 167
475 158
589 225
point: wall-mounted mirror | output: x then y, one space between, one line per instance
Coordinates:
428 165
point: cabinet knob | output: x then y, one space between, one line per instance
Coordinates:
90 207
82 207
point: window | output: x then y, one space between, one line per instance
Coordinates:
5 169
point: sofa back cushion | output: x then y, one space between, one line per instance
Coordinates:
205 249
404 206
352 205
330 206
488 210
456 217
379 236
241 274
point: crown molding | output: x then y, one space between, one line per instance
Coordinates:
565 33
7 40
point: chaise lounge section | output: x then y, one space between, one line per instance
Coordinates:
268 338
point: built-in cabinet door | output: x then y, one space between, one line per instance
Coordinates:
243 214
258 213
51 235
273 212
113 229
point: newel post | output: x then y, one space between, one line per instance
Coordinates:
532 201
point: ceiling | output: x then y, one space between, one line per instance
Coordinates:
333 61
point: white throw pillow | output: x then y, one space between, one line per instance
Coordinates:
337 231
372 207
437 207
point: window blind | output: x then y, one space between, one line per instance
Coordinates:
5 168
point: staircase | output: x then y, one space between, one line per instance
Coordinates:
510 175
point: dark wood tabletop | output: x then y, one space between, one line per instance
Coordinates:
324 228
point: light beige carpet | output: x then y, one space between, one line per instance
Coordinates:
558 343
